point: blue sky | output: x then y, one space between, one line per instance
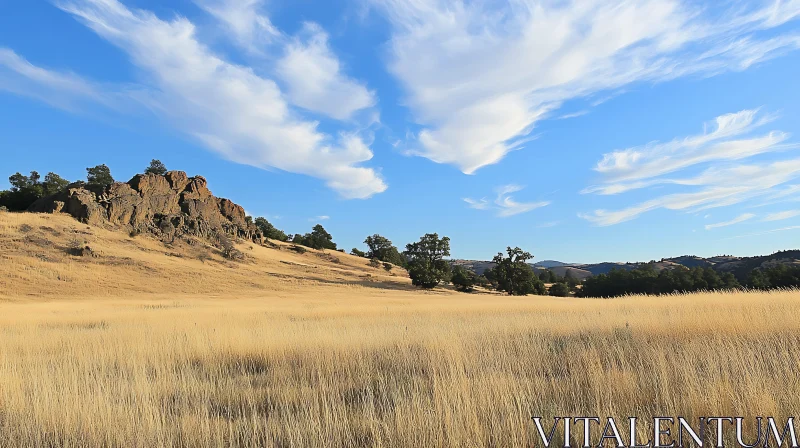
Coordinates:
582 131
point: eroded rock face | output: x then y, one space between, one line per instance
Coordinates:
148 201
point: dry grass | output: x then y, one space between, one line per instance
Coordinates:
315 362
36 265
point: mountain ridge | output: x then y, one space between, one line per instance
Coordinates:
739 266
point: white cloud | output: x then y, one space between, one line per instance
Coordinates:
315 80
478 204
59 89
305 64
580 113
320 218
504 204
479 75
788 193
741 218
251 29
228 107
766 232
637 166
719 185
779 216
722 187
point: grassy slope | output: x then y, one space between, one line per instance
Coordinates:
312 354
36 265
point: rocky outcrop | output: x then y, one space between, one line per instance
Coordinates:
172 203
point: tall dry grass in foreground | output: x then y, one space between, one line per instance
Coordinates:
424 371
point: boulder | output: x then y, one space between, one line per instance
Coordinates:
148 202
86 251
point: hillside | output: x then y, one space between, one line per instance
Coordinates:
37 264
739 266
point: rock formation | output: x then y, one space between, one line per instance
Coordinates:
172 203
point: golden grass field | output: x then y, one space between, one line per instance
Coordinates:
151 346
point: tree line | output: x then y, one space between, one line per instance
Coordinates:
646 279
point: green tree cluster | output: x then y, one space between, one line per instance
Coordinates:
98 178
319 238
513 274
559 289
646 280
269 231
25 190
548 276
381 248
463 279
779 276
426 264
358 253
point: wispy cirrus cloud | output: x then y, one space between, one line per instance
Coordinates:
642 166
718 185
230 108
580 113
741 218
480 75
61 89
780 216
319 218
243 19
766 232
504 205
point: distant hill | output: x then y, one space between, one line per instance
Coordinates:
691 261
575 272
476 266
547 264
739 266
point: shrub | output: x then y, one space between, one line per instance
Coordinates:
559 289
319 238
229 250
156 167
98 177
167 231
464 280
53 183
297 248
269 231
373 262
388 266
381 248
25 190
358 253
74 246
202 254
